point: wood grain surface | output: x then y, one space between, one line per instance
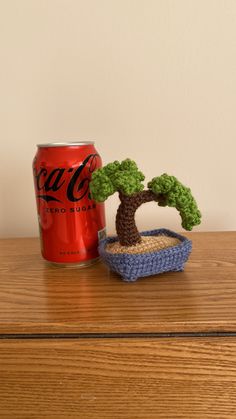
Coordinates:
110 378
36 297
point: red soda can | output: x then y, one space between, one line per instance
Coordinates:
70 222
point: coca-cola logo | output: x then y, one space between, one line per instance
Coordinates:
47 182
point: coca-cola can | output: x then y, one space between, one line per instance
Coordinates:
70 222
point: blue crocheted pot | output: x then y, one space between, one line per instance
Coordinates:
133 266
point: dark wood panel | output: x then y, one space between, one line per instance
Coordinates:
36 297
109 378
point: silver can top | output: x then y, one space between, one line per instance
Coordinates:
65 144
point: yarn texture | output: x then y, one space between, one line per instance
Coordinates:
125 218
176 195
166 190
133 266
123 177
147 244
126 179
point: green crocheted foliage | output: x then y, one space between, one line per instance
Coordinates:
122 177
174 194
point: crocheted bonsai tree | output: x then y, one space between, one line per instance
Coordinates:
125 178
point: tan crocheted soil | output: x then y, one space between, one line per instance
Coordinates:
148 244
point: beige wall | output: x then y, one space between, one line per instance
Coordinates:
154 80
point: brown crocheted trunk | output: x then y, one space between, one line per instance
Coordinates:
125 218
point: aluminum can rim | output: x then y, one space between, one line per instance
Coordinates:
65 144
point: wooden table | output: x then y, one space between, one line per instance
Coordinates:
82 343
